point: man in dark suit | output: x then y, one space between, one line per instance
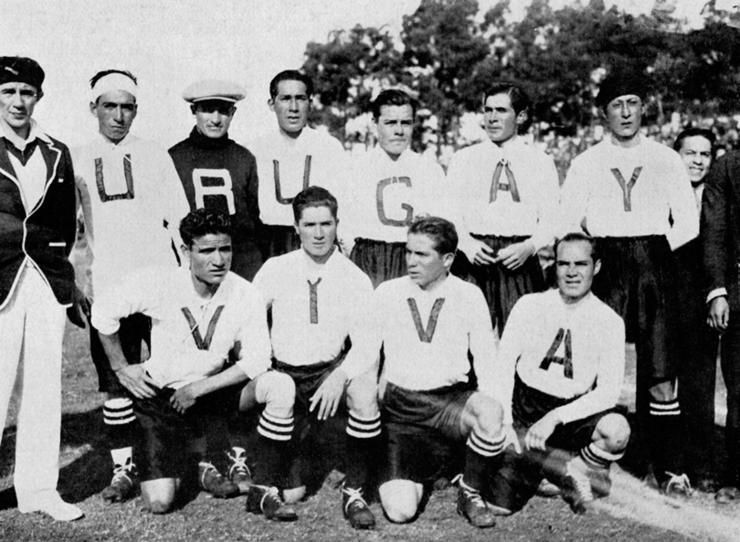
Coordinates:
720 234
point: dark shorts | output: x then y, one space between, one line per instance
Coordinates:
637 279
502 287
516 481
379 260
134 329
166 433
307 379
424 428
278 240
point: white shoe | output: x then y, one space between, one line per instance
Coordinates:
55 507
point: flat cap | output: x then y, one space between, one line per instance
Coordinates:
621 84
213 89
20 69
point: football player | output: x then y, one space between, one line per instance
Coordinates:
390 185
507 194
290 158
200 315
132 202
318 300
559 374
623 191
429 323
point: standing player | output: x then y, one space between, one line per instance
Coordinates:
697 366
37 205
429 322
132 201
508 195
216 172
200 315
390 185
623 191
290 159
559 375
318 300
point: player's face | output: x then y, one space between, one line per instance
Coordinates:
210 258
624 116
500 121
17 102
291 107
213 117
317 229
696 153
115 111
426 266
395 126
575 270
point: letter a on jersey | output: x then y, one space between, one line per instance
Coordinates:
426 334
560 353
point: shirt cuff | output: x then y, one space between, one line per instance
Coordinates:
717 292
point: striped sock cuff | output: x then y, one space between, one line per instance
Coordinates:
118 411
665 408
485 447
275 428
597 458
363 428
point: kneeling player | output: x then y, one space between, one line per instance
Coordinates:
318 300
199 315
560 370
429 322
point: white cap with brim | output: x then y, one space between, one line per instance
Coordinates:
212 89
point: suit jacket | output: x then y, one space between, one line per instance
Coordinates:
720 227
46 234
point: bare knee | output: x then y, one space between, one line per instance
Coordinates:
663 391
294 495
277 391
612 433
159 495
362 397
484 414
400 500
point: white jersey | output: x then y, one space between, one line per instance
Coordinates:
128 191
511 190
630 192
426 335
570 351
191 336
287 165
315 307
385 195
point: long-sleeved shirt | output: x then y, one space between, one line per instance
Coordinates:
191 336
315 307
132 203
286 165
614 191
426 334
570 351
489 203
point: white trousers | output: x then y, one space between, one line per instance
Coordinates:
31 333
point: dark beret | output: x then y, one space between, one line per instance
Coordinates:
20 69
615 85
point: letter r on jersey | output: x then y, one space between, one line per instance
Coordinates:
213 183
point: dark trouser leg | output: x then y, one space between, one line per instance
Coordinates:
730 358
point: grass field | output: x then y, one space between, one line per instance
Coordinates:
633 511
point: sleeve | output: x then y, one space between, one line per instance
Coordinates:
510 350
364 350
608 378
135 293
683 206
254 337
548 204
252 192
457 176
482 342
715 219
574 196
174 202
262 281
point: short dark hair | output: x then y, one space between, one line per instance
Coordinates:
95 78
290 75
694 132
578 236
520 100
201 222
391 96
440 230
314 196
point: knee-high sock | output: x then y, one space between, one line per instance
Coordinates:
665 436
120 428
480 453
272 444
363 444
